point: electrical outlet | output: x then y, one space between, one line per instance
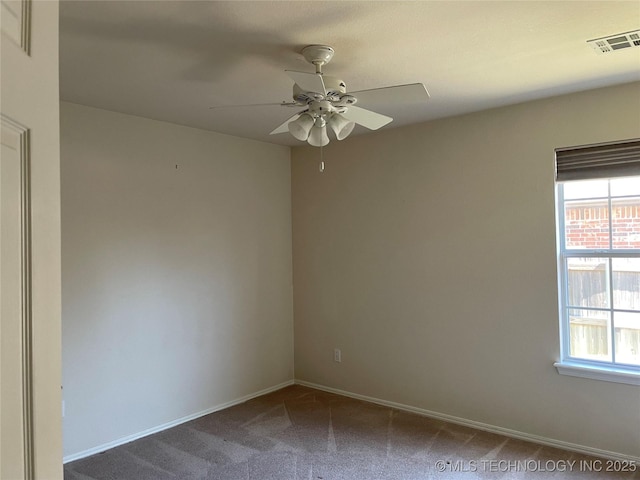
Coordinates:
337 355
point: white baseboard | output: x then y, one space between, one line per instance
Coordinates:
159 428
479 425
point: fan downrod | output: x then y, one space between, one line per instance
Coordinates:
318 55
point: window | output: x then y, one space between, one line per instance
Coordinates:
598 212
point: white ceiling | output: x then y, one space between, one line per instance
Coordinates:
171 60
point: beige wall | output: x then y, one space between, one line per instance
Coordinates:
176 281
427 254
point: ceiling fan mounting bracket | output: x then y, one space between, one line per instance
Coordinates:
318 55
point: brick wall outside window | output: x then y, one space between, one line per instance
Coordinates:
587 224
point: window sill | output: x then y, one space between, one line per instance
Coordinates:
598 373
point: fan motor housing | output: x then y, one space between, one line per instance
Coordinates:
334 86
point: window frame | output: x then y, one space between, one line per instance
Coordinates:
579 367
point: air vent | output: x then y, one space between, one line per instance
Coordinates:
619 41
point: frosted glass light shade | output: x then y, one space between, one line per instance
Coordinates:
341 126
300 128
318 137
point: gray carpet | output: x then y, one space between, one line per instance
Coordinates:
299 433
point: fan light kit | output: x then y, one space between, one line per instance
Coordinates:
325 102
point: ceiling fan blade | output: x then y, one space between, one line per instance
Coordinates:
285 126
309 82
366 118
399 94
281 104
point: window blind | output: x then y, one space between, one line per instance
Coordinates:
619 159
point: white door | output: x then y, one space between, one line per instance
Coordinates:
30 413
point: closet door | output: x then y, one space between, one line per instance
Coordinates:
30 413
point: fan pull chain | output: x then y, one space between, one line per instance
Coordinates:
321 168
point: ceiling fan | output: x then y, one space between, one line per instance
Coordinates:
325 102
